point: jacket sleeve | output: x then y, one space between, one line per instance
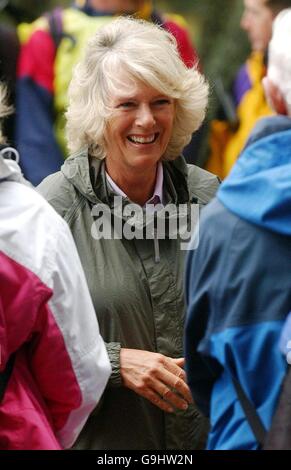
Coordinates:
69 359
34 132
113 351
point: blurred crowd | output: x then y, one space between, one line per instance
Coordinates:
106 100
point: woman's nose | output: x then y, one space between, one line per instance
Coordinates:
145 116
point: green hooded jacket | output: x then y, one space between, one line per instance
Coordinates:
138 298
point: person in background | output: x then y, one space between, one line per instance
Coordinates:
228 140
50 47
53 364
238 280
173 23
130 115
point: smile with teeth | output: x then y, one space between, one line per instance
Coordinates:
138 139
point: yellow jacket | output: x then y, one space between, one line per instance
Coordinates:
226 145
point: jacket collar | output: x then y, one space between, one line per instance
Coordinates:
88 176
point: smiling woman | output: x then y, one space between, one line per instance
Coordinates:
133 106
136 137
113 65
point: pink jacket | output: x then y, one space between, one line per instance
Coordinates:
46 316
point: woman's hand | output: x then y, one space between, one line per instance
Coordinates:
158 378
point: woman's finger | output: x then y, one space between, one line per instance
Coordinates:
175 400
175 382
154 398
179 362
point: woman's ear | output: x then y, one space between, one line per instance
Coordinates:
274 96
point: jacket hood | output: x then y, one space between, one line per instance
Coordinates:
10 171
259 187
86 173
76 170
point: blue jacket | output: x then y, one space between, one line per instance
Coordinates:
238 288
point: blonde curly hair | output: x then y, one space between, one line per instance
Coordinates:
4 108
147 53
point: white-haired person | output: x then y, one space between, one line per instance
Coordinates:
238 280
50 48
53 364
133 106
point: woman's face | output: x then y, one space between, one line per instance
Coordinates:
140 127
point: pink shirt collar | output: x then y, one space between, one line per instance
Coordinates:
157 196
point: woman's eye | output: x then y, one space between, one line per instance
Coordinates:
162 102
126 104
